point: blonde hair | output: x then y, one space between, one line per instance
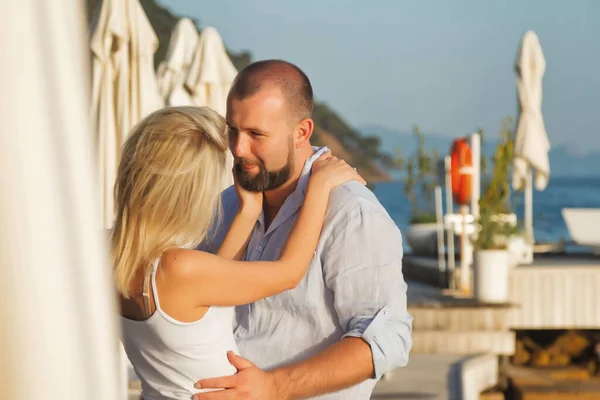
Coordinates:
167 188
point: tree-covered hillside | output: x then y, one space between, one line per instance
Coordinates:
330 128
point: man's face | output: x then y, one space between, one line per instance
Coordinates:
261 140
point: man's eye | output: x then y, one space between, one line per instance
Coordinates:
256 134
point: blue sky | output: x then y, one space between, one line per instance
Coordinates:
446 65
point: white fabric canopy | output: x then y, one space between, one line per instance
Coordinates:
531 142
210 77
173 71
57 306
211 73
125 88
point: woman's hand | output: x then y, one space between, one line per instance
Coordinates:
250 203
329 172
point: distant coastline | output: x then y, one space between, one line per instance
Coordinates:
396 177
566 160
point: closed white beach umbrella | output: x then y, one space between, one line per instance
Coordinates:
59 334
125 88
172 72
211 73
210 77
531 142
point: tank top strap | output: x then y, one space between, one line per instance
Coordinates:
154 289
150 284
146 292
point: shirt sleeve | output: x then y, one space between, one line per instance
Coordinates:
362 265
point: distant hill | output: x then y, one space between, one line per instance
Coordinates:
330 128
565 161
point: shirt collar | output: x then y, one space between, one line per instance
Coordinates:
296 198
305 175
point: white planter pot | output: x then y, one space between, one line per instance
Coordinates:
422 238
490 280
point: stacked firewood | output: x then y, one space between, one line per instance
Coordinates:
568 348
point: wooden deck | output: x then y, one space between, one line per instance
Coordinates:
553 384
557 291
449 324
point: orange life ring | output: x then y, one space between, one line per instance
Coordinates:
461 164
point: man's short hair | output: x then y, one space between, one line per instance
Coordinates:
291 80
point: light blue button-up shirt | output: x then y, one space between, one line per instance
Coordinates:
353 287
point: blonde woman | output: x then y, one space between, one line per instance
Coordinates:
177 302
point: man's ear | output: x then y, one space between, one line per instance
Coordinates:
303 132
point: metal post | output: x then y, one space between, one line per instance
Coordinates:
476 177
450 230
439 213
465 259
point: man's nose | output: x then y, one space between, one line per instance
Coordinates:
239 145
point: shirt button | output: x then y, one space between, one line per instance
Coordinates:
386 311
238 335
259 248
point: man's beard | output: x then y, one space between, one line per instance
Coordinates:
264 180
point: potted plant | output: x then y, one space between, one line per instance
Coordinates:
496 227
419 183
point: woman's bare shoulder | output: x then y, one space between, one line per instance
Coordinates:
184 263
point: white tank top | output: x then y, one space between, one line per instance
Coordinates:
169 356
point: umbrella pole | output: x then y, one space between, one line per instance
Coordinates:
529 207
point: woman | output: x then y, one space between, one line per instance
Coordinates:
177 302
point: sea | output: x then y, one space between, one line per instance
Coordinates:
548 223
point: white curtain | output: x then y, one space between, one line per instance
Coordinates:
59 330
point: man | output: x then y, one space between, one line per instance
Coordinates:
346 323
